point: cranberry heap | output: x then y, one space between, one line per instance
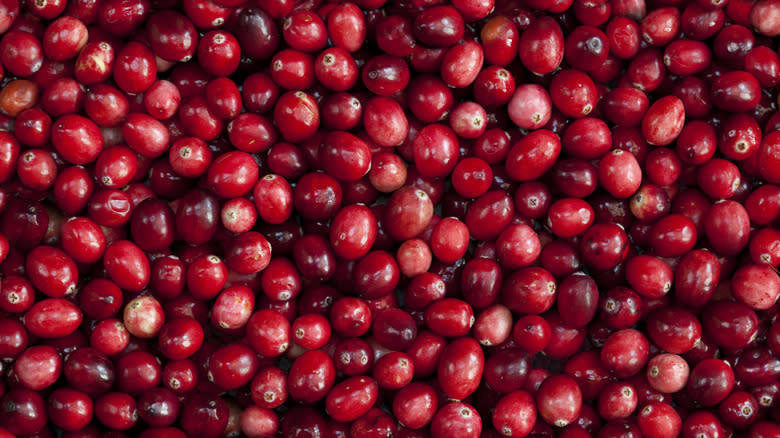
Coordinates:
389 218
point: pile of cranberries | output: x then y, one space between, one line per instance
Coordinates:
389 218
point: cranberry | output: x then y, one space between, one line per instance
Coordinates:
659 419
158 407
532 333
116 410
674 330
10 12
462 64
415 405
69 409
617 400
52 318
701 422
351 398
196 217
204 415
232 366
559 400
710 381
756 366
663 121
460 368
409 211
25 412
385 75
52 271
538 151
89 370
573 93
673 235
541 46
180 338
143 317
456 419
22 53
625 352
620 174
515 414
17 294
739 410
137 371
296 116
604 246
38 367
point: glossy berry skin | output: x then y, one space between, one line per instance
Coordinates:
730 324
415 405
604 246
172 36
127 265
530 290
345 156
77 139
21 62
204 415
297 116
541 46
268 332
456 418
351 398
617 400
69 409
659 419
26 412
52 271
116 410
52 318
710 382
353 232
435 151
515 414
701 422
673 329
573 93
663 121
409 211
667 373
38 367
180 338
755 285
533 155
232 366
625 352
460 368
559 400
134 69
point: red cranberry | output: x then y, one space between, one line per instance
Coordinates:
617 400
559 400
515 414
659 419
541 46
204 415
351 398
538 151
52 318
456 419
625 352
25 412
